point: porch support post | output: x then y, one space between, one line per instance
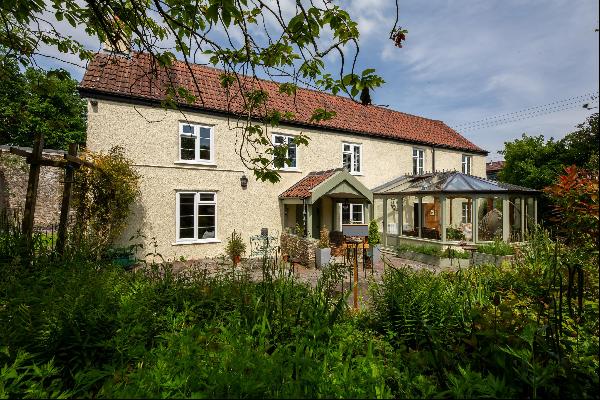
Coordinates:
475 219
385 221
420 216
308 220
523 202
506 219
400 202
368 213
334 215
443 217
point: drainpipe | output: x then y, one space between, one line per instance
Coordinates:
432 159
305 220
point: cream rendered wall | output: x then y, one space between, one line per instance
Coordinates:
150 137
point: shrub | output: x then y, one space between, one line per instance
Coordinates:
323 238
497 248
454 234
235 245
432 251
102 198
374 237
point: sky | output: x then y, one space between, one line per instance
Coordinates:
532 62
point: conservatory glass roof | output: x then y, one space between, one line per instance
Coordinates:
448 182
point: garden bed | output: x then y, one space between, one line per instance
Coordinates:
484 258
434 256
434 260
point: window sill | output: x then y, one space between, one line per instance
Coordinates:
289 170
357 174
200 163
199 241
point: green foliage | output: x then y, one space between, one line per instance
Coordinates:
536 163
374 236
497 248
103 196
235 245
38 101
575 205
89 329
453 233
581 146
531 161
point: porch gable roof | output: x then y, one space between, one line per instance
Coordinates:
335 182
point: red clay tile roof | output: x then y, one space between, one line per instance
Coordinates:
494 166
132 78
303 188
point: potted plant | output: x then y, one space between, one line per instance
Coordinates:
323 253
235 247
374 240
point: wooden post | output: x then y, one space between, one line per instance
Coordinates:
32 187
443 218
66 201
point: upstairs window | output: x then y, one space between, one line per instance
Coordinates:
292 154
418 161
196 143
467 162
196 216
351 158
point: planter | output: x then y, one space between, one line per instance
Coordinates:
285 257
236 260
435 260
322 257
484 258
126 261
375 253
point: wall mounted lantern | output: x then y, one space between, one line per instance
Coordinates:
244 181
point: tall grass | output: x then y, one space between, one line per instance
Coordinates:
75 327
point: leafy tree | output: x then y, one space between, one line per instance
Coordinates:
245 38
535 162
38 101
575 204
581 146
531 161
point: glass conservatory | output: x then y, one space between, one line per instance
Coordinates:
452 208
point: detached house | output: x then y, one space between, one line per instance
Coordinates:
195 190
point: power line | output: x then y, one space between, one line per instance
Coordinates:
508 116
491 124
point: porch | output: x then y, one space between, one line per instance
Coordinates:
325 198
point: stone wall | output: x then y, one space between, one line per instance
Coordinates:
301 248
14 174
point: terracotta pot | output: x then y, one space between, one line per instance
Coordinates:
285 257
236 260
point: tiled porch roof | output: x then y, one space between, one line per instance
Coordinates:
303 188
